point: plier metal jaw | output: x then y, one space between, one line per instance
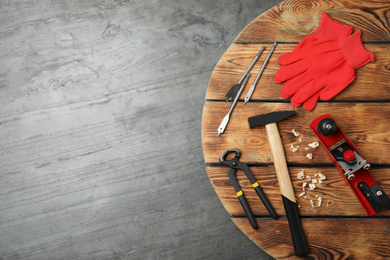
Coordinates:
234 165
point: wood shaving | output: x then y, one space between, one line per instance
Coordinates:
309 155
309 188
312 186
301 175
294 149
307 148
322 177
313 205
295 133
319 201
328 202
314 145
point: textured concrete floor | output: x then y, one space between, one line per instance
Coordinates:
100 129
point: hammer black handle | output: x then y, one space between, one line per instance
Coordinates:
286 189
300 246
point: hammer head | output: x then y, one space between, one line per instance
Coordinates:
269 118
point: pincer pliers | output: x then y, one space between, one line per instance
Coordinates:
234 165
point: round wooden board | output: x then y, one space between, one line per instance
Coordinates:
340 230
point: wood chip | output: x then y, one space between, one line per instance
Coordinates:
315 200
312 186
314 145
301 175
322 177
328 202
295 133
294 149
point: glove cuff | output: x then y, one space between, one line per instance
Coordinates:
354 51
331 30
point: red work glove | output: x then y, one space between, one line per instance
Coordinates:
328 29
321 71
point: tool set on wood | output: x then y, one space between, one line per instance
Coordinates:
319 67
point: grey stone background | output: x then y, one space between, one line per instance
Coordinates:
100 128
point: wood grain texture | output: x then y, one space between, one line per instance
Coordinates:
238 57
279 161
333 188
355 119
291 21
326 238
361 110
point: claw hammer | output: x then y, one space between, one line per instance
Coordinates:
286 188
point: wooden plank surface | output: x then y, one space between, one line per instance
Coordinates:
361 111
334 189
238 57
356 119
291 21
327 238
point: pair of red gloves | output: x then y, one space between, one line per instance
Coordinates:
322 64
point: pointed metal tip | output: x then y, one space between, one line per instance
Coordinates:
219 133
261 51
